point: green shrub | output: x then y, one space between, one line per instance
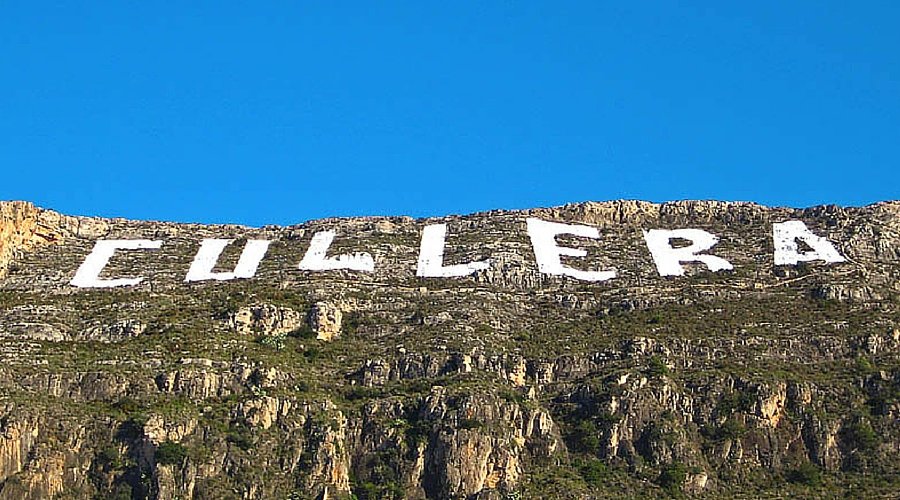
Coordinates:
512 396
864 366
372 491
593 471
170 453
241 437
470 423
276 342
807 473
359 392
731 429
111 457
127 406
354 321
312 354
673 477
585 437
736 401
416 432
657 433
523 336
656 367
860 435
483 330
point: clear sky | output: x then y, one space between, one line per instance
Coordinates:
278 112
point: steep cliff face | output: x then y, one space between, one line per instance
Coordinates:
19 231
509 382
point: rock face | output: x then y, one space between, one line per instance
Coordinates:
266 319
16 443
325 320
22 227
762 381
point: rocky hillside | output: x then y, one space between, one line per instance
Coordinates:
347 365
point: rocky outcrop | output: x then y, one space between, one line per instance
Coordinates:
17 438
21 229
116 331
325 321
328 466
203 378
481 444
266 319
263 411
38 468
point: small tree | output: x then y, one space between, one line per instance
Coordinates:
807 473
170 453
585 437
673 477
861 435
656 367
593 471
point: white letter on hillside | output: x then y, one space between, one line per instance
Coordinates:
787 252
315 259
88 275
547 252
209 253
431 256
668 260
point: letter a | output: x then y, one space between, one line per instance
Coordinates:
209 253
787 252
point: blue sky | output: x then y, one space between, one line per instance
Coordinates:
279 112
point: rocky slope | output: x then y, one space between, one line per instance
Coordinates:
764 380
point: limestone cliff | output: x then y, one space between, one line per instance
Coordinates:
764 380
20 231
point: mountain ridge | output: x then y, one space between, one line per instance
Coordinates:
424 378
623 201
